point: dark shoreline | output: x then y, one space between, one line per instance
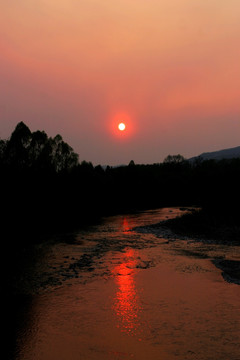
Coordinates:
191 226
230 270
211 225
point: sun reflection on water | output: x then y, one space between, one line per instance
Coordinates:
125 225
126 302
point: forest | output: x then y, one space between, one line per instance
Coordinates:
44 186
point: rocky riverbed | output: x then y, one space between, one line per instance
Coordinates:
230 267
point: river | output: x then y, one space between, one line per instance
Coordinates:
111 292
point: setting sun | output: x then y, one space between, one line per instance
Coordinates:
121 126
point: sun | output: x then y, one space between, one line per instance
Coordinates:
121 126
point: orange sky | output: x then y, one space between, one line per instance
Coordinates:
172 68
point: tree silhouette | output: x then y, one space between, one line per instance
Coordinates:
62 155
37 151
174 159
131 163
17 149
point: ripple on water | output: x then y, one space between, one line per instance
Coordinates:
118 294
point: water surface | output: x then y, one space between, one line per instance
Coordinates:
112 293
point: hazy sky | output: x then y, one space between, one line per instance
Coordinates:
169 68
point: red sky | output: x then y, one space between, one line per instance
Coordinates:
170 69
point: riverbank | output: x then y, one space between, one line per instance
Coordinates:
219 226
201 226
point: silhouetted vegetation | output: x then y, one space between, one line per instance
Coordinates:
220 226
45 187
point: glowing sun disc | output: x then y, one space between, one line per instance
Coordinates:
121 126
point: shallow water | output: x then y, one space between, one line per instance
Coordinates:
112 293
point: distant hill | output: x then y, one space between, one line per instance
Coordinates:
219 155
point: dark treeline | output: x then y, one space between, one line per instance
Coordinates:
45 188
